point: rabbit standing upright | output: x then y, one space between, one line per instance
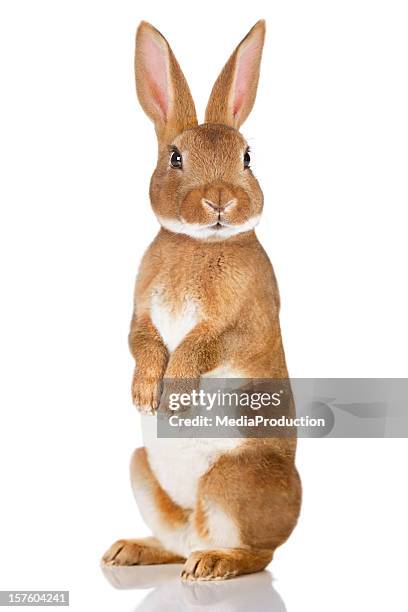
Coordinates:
206 304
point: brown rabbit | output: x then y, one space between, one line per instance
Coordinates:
206 304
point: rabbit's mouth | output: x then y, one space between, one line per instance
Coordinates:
218 228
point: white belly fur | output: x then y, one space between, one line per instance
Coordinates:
179 463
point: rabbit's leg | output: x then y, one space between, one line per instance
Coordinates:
143 551
151 357
167 520
247 505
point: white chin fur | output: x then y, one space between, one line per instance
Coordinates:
195 230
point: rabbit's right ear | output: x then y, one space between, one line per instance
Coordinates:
161 86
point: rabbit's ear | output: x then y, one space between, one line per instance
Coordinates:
161 86
233 94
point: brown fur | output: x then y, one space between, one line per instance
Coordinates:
240 321
152 357
200 518
259 489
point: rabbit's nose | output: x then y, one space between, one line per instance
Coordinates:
219 196
219 208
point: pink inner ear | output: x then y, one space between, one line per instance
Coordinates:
156 74
247 62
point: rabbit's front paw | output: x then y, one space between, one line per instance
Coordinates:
146 393
177 388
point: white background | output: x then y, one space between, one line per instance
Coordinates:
329 136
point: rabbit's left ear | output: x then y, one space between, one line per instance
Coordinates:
233 94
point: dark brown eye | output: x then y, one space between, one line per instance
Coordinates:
176 160
247 159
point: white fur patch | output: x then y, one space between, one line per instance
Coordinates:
173 326
174 539
222 531
225 370
201 232
179 463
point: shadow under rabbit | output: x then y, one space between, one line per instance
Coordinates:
254 593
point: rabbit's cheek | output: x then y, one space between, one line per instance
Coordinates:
164 195
240 213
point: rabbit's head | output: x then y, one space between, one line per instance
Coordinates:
203 185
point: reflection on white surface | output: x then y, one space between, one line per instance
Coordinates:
253 593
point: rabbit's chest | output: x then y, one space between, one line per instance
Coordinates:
173 320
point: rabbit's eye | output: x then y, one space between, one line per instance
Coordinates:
176 160
247 159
